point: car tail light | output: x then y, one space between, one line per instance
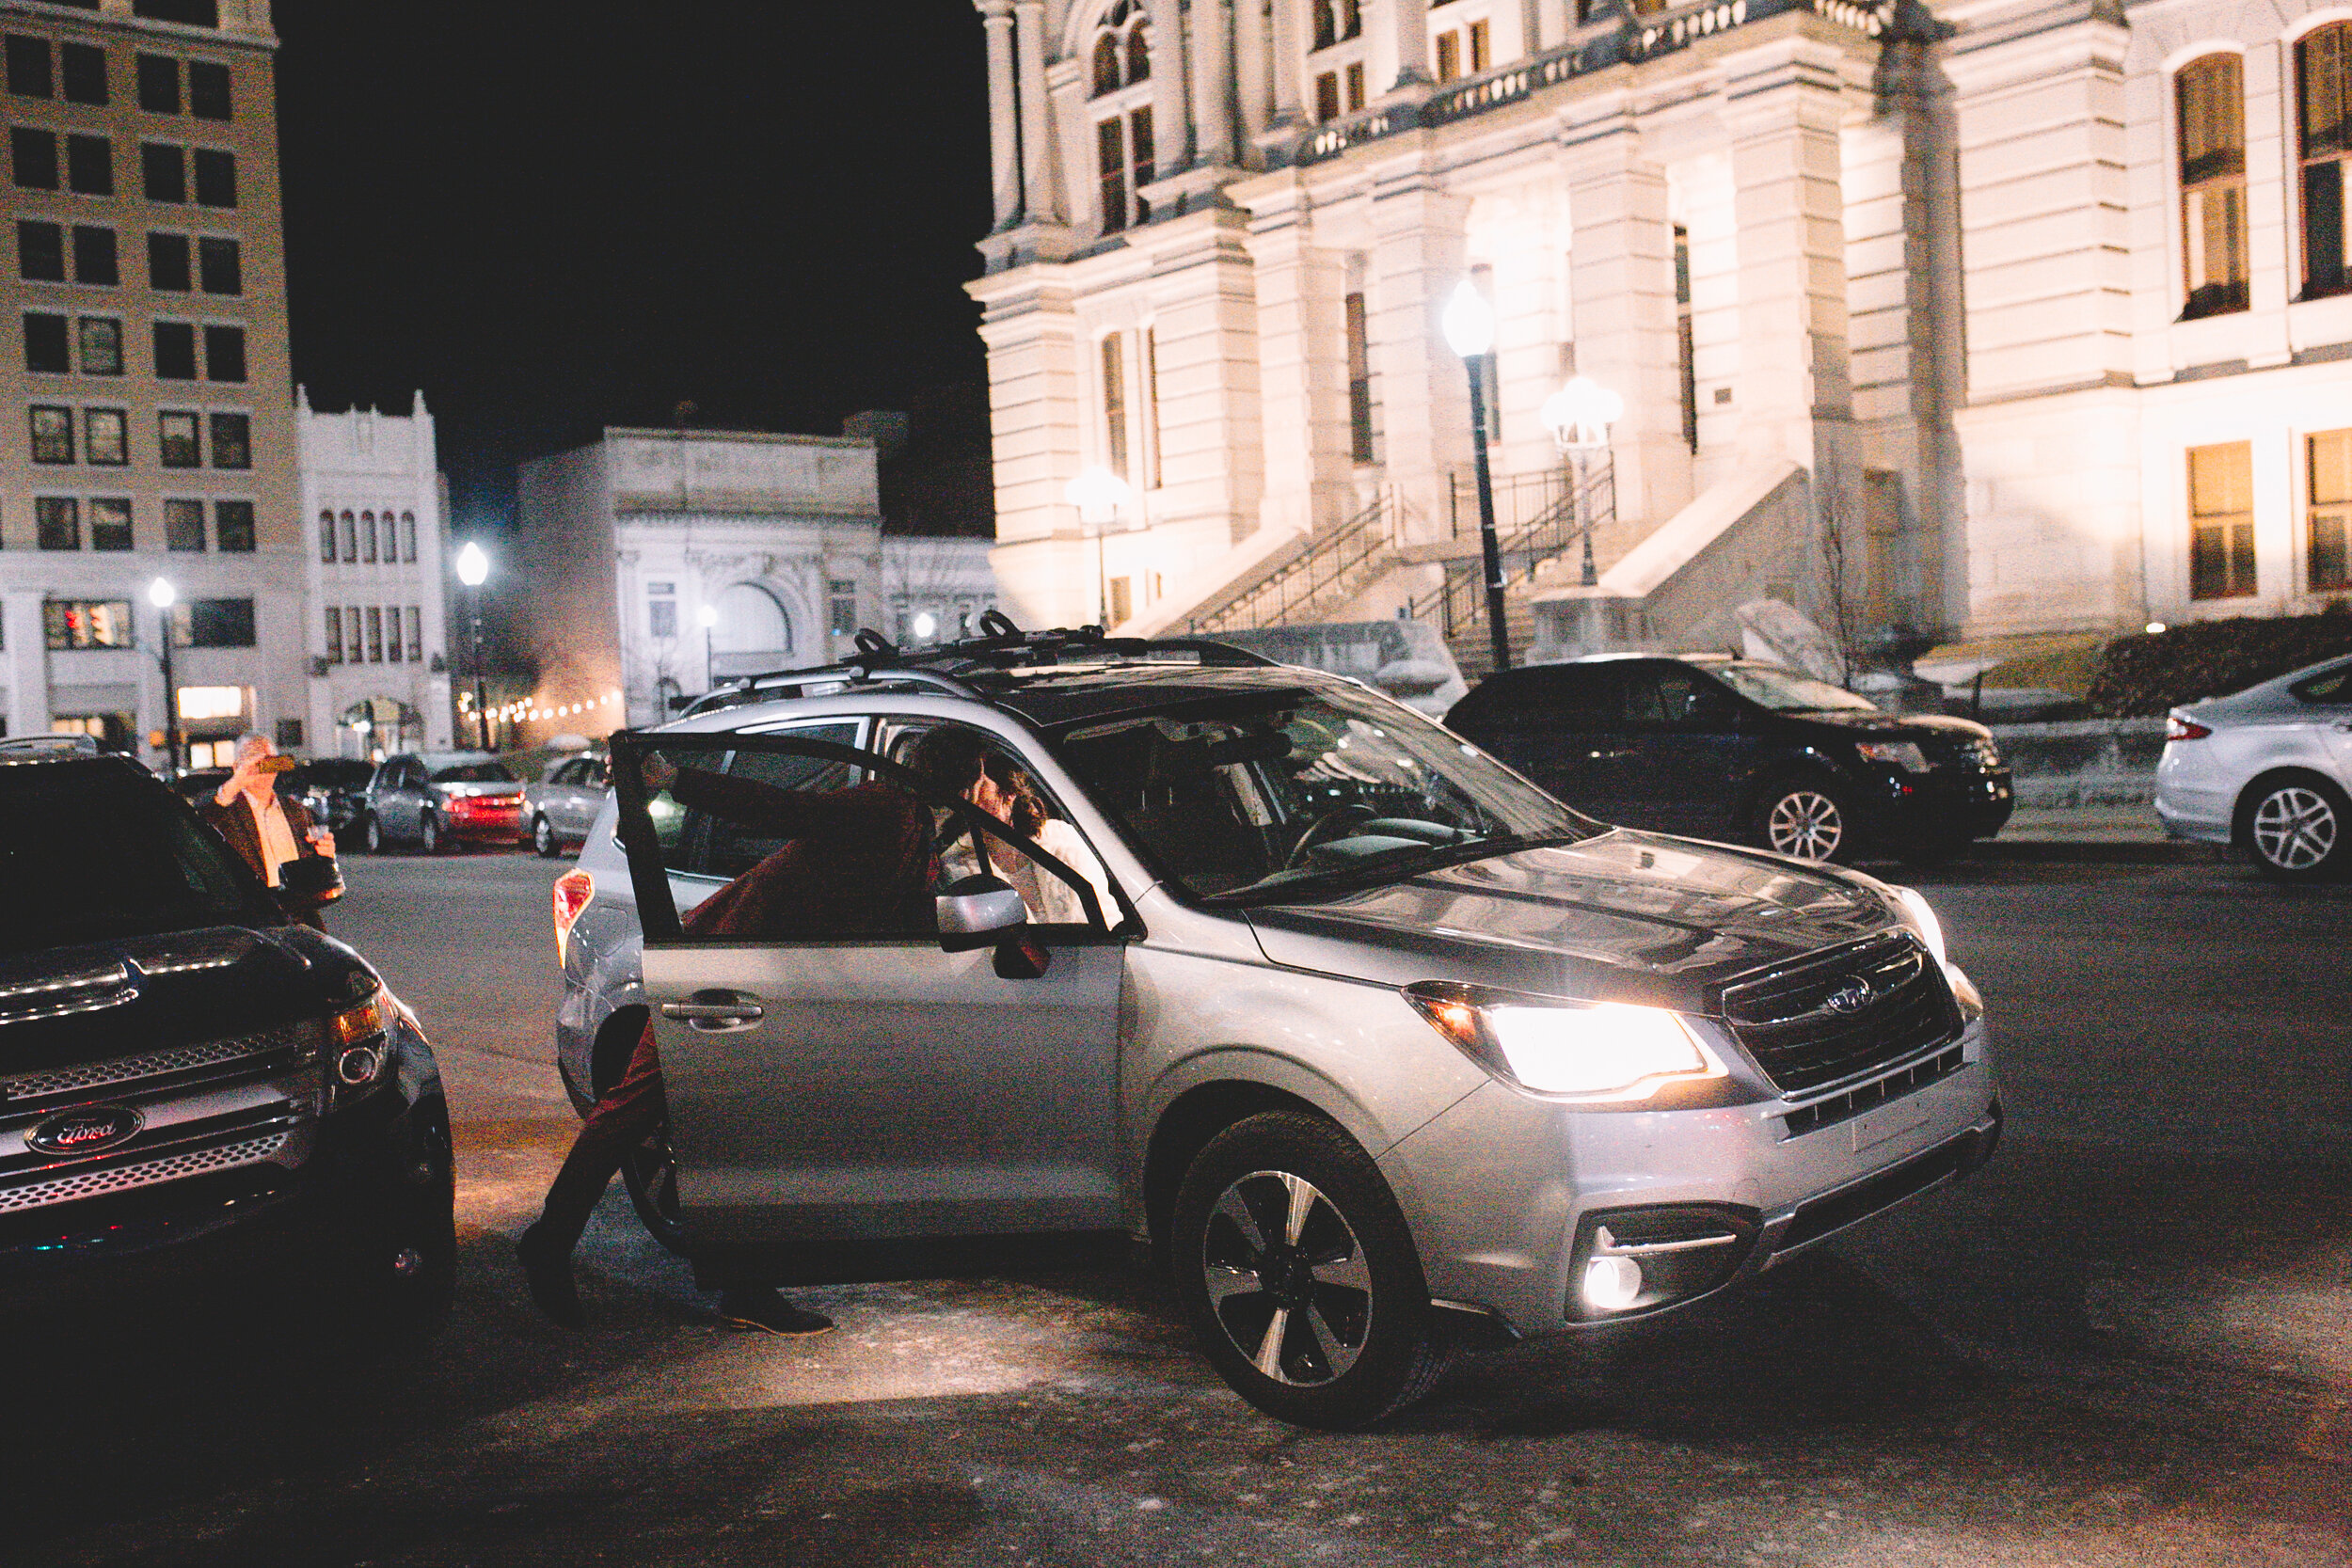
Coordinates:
2178 728
572 892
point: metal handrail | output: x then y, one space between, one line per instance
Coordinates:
1327 561
1457 602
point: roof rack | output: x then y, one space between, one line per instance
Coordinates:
950 666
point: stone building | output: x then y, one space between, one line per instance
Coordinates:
379 580
1970 320
148 434
658 562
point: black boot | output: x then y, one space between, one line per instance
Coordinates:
765 1310
548 1269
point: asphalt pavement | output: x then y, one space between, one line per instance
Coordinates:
2128 1341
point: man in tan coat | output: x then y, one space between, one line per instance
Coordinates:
266 830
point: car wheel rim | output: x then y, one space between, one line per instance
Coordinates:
2295 829
1287 1279
541 836
1805 823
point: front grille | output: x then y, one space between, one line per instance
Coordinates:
142 1173
1878 1091
1787 1020
184 1064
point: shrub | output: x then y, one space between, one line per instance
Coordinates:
2146 674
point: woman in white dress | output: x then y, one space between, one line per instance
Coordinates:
960 761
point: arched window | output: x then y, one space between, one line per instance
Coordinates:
1123 153
367 536
392 538
326 536
2323 79
1337 20
1106 74
350 538
408 536
2211 95
752 634
1139 54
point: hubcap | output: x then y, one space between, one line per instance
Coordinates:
1805 823
1287 1278
2295 829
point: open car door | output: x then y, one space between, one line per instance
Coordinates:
848 1098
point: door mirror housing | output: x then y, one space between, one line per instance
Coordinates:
979 912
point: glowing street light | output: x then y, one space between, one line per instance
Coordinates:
163 595
473 570
1468 322
1101 497
1579 416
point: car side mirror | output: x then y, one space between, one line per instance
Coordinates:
979 912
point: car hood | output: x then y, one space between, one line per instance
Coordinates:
1627 916
1898 725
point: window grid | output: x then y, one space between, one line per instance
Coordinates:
2222 520
2323 70
2210 94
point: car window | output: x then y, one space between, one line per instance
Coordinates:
592 772
474 772
710 845
954 757
1299 793
570 773
1680 699
87 855
2333 687
1551 697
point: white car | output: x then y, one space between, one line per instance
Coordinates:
2269 769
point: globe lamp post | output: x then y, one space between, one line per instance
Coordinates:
473 570
1468 322
1579 416
1099 496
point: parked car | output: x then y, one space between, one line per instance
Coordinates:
561 806
1365 1034
197 785
2269 769
334 789
434 799
1742 751
194 1090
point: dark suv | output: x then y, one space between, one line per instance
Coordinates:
192 1089
1732 749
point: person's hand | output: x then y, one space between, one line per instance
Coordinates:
246 775
323 840
659 773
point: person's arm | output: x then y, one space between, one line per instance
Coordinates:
779 813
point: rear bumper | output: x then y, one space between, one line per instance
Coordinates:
1942 803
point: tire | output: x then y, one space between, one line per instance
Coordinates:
2299 828
1806 818
429 833
1344 1337
543 837
371 834
649 1172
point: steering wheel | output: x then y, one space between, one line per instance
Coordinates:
1323 830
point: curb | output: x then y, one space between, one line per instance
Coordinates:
2096 852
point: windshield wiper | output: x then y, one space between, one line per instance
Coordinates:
1388 866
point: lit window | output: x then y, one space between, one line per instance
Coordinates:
2211 98
105 438
53 434
176 434
2323 69
2329 518
2221 521
844 597
211 702
1114 406
102 345
110 523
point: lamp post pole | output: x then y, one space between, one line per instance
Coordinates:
1469 328
1099 496
708 616
163 595
473 570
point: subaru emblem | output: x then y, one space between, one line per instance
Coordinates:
85 1130
1852 997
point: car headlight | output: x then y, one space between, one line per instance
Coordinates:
1912 910
1904 755
358 1049
1598 1051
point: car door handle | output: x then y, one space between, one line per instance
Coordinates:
715 1013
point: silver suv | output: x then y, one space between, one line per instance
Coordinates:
1370 1040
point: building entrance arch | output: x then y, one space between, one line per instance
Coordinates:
752 634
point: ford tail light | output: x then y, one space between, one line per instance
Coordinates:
2178 728
572 892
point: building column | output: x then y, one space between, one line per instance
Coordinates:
1212 71
1422 387
1171 108
27 663
1289 62
1003 134
1038 203
1038 405
1783 111
1621 271
1302 367
1411 21
1253 70
1204 309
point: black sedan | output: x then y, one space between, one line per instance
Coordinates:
1736 750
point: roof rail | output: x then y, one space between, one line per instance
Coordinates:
946 667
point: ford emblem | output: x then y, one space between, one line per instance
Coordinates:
1851 997
85 1130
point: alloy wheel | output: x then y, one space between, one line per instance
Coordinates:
2295 828
543 836
1287 1278
1805 823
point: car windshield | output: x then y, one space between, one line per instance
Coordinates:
1295 795
88 854
1785 692
474 772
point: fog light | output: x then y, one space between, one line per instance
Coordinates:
360 1065
1611 1284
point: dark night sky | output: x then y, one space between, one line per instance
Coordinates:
556 216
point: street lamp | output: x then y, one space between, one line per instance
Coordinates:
1470 331
163 595
473 570
1579 416
1100 497
707 617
